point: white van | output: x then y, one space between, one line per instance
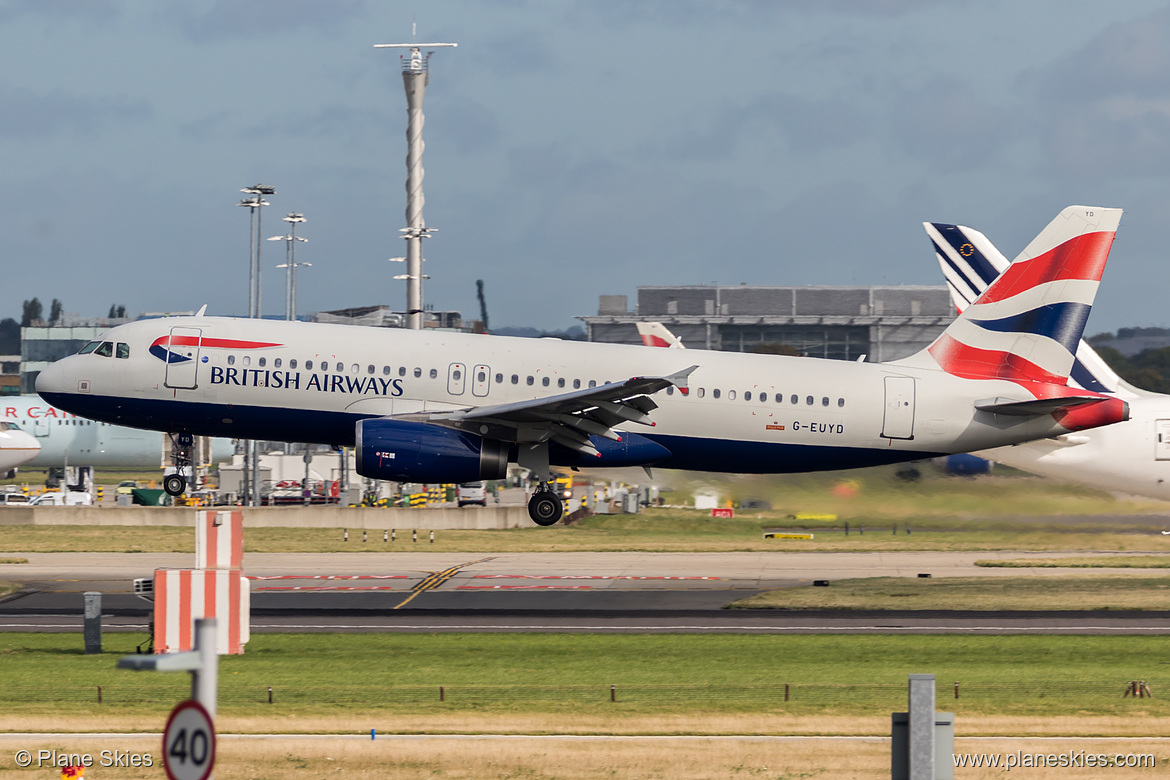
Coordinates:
56 498
471 493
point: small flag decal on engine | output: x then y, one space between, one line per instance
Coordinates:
774 427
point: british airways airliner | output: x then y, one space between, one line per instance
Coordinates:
1133 456
425 406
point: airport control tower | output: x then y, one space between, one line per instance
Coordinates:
415 75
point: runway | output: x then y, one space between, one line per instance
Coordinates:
540 592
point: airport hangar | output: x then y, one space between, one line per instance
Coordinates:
882 323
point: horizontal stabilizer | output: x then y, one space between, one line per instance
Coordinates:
1036 406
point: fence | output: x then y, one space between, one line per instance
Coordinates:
763 695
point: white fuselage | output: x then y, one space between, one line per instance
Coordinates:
293 381
1131 456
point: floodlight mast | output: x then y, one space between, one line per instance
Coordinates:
415 69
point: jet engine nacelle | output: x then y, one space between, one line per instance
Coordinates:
419 452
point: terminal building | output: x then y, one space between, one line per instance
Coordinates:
842 323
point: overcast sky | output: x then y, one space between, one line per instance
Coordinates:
573 149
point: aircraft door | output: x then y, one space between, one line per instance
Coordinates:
481 377
1161 439
456 378
182 350
40 427
898 420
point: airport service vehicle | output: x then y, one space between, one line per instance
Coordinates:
1131 456
16 448
65 439
56 498
432 407
471 493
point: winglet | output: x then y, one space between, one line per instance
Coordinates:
680 378
202 310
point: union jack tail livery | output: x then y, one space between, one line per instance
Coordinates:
1026 325
970 262
655 334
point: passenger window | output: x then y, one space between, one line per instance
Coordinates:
308 365
402 371
261 362
747 395
293 363
457 375
105 350
825 401
795 398
417 372
809 400
561 382
544 381
701 392
840 402
481 377
90 347
385 370
247 360
353 369
232 361
276 363
764 397
434 373
369 369
515 379
576 384
593 383
499 379
531 381
730 395
123 350
670 389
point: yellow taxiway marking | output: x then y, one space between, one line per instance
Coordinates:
437 578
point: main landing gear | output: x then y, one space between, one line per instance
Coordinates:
545 507
181 446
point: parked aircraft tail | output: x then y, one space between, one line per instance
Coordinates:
655 334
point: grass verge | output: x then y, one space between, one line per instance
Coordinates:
1083 562
1077 592
550 683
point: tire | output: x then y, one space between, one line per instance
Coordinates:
174 484
545 508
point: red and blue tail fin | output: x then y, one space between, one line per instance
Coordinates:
1027 324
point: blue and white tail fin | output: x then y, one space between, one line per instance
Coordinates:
1026 325
970 263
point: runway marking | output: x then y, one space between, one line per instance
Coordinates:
579 577
323 588
523 587
331 577
435 579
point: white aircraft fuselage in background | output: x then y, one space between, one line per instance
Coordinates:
17 447
66 439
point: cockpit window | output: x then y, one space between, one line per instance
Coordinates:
123 350
90 347
105 350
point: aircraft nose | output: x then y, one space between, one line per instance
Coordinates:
53 379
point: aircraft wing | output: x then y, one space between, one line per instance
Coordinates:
1036 406
567 418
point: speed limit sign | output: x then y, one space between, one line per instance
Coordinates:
189 742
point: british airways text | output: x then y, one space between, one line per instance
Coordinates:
292 380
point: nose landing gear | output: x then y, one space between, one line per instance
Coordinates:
181 447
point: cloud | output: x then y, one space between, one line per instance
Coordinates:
30 116
947 125
227 20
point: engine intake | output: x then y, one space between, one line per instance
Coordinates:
418 452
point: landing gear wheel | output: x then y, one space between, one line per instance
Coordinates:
175 484
545 508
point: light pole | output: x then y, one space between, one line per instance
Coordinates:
255 205
290 263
